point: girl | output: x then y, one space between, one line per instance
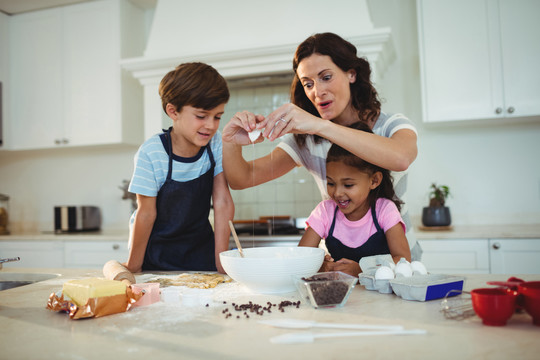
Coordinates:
361 218
178 174
331 90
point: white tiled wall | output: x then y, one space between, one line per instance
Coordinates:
295 193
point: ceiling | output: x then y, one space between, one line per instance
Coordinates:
12 7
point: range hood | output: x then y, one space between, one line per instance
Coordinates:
243 39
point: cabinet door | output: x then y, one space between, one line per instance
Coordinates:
93 255
520 43
33 254
460 256
460 68
92 73
36 80
514 256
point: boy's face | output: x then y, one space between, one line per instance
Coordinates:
194 126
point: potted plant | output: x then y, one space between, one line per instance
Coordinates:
437 214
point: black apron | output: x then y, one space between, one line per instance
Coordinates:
182 237
375 245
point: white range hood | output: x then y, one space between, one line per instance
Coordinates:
243 38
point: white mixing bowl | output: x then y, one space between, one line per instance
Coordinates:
270 270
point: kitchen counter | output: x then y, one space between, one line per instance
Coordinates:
513 231
172 331
510 231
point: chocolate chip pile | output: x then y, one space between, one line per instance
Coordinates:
327 292
256 309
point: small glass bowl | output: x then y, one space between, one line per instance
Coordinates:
326 289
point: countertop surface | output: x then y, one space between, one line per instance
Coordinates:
174 331
512 231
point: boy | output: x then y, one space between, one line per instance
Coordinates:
178 173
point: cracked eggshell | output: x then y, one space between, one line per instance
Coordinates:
254 135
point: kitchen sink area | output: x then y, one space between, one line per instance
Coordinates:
13 280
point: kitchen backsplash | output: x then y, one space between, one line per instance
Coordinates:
294 194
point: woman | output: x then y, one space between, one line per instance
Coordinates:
331 90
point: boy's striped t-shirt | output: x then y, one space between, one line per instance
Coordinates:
152 164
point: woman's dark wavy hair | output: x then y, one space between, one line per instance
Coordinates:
385 188
364 95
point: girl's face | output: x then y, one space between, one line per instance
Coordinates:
349 188
194 127
328 88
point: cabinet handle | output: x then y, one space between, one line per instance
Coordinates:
57 141
510 109
496 246
116 247
498 110
65 141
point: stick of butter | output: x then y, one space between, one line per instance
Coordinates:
81 290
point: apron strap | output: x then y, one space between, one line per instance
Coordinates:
331 231
168 136
374 216
169 172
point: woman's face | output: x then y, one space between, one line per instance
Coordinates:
328 88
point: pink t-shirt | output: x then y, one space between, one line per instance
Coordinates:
353 233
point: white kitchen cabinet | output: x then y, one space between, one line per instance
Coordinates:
514 256
92 254
33 254
479 59
67 84
456 256
36 80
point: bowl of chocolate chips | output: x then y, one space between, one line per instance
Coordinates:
326 289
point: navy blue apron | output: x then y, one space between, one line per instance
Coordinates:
182 237
375 245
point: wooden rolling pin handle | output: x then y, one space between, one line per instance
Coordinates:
113 270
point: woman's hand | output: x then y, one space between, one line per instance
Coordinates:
237 129
289 118
347 266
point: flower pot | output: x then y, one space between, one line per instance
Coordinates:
436 216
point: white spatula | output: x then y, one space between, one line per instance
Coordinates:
306 324
307 337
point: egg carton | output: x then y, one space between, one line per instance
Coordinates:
426 287
369 265
370 283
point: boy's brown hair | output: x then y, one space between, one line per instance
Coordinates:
195 84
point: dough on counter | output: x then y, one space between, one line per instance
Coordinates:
196 280
79 291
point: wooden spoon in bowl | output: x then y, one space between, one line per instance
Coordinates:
236 238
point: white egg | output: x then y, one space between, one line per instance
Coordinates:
418 268
254 135
384 273
403 268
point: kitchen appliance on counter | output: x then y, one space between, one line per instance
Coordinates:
69 219
4 211
268 225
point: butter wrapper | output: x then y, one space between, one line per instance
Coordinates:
95 307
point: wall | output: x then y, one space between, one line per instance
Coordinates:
492 169
247 24
4 74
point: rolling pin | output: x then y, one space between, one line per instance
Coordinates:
113 270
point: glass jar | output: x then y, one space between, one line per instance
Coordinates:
4 210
